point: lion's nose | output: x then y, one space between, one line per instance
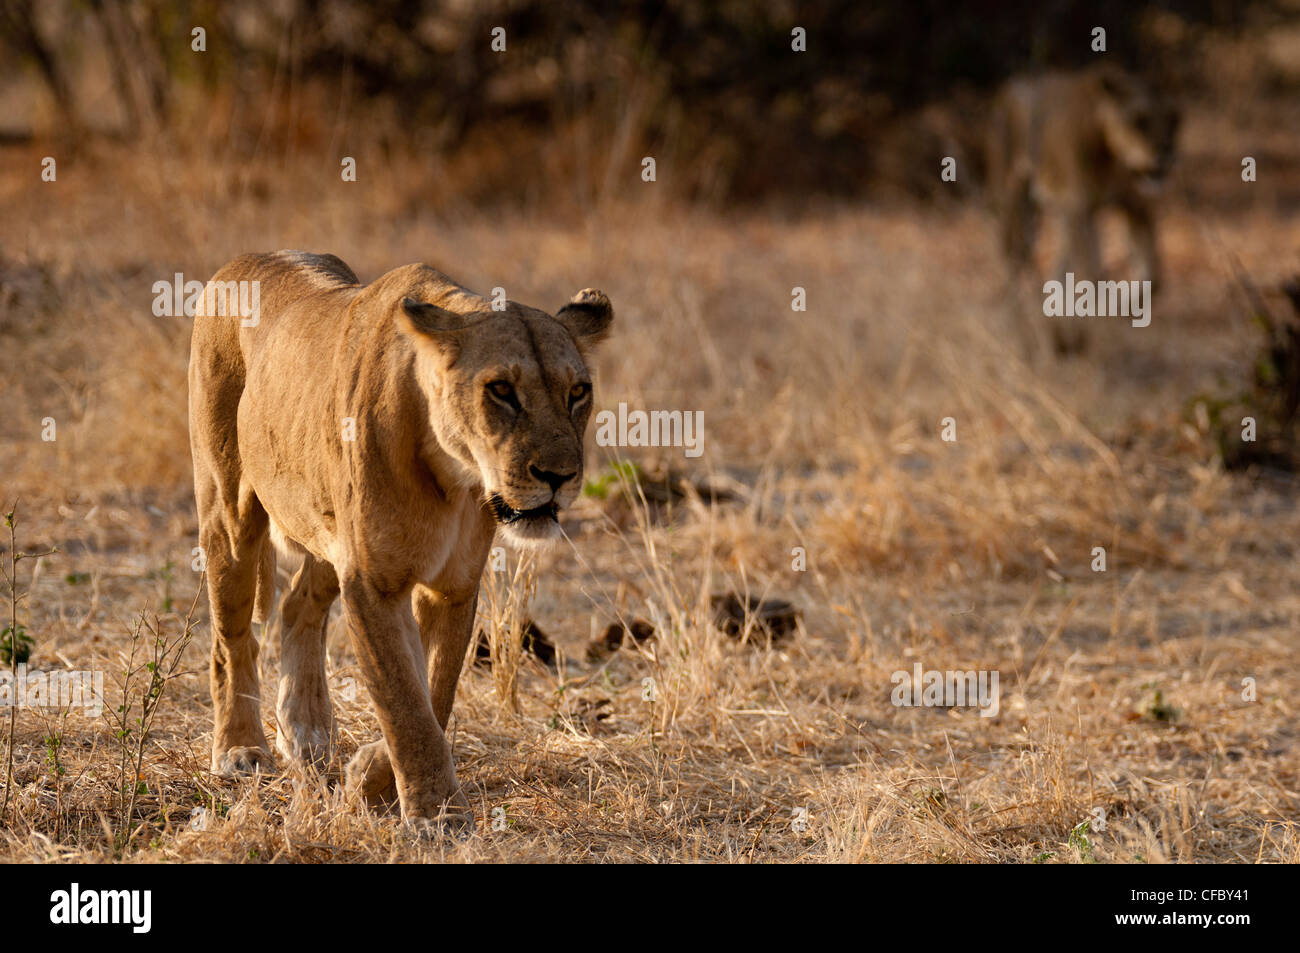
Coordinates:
550 478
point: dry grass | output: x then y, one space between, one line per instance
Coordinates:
966 555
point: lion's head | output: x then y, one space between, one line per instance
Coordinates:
1138 125
509 397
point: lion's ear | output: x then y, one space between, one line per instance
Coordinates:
429 318
587 317
1126 143
1112 81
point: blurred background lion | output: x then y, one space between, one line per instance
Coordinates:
1068 145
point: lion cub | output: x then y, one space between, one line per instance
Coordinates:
1065 146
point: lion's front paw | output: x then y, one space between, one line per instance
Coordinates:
307 747
242 761
454 819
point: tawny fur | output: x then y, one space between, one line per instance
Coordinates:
396 519
1065 146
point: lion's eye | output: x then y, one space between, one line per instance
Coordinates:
578 392
504 391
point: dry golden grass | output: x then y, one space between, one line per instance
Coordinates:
966 555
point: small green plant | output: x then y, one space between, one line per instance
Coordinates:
153 661
15 646
1079 841
165 574
55 728
1157 708
53 751
611 476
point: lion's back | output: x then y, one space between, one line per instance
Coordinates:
266 322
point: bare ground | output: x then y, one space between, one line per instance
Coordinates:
973 554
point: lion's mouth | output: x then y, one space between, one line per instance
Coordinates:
506 514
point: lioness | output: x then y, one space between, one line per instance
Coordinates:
1068 145
384 432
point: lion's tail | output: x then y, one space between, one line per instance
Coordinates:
264 597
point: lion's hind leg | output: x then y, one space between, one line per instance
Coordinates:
233 541
233 537
370 774
303 717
